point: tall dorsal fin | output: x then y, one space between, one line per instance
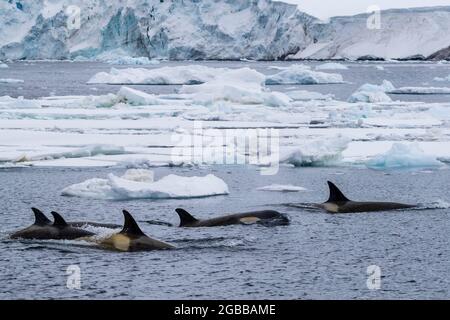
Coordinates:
130 226
59 221
185 217
39 218
335 194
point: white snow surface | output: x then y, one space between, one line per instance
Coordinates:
139 184
402 33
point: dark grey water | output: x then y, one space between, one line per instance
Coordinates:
69 78
317 256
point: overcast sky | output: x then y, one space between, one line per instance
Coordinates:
327 8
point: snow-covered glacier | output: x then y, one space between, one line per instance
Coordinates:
212 29
402 34
177 30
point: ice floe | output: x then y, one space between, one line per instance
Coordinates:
20 103
403 156
189 74
9 80
3 65
447 78
331 66
301 74
136 97
139 184
316 153
282 188
87 151
245 86
372 93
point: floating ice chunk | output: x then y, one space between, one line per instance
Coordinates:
385 86
282 188
301 74
447 78
331 66
3 65
368 96
140 185
244 86
188 74
319 153
6 80
372 93
420 90
308 95
403 156
136 97
381 68
7 102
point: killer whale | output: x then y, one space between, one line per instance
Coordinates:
44 229
262 217
339 203
131 238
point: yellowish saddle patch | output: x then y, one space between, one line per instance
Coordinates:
119 242
249 220
331 207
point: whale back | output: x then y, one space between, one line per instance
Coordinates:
132 238
65 230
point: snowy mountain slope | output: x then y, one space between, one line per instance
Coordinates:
213 29
207 29
403 33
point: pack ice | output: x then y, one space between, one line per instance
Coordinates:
140 184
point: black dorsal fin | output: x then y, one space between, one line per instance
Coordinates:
59 221
335 194
130 226
185 217
39 218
